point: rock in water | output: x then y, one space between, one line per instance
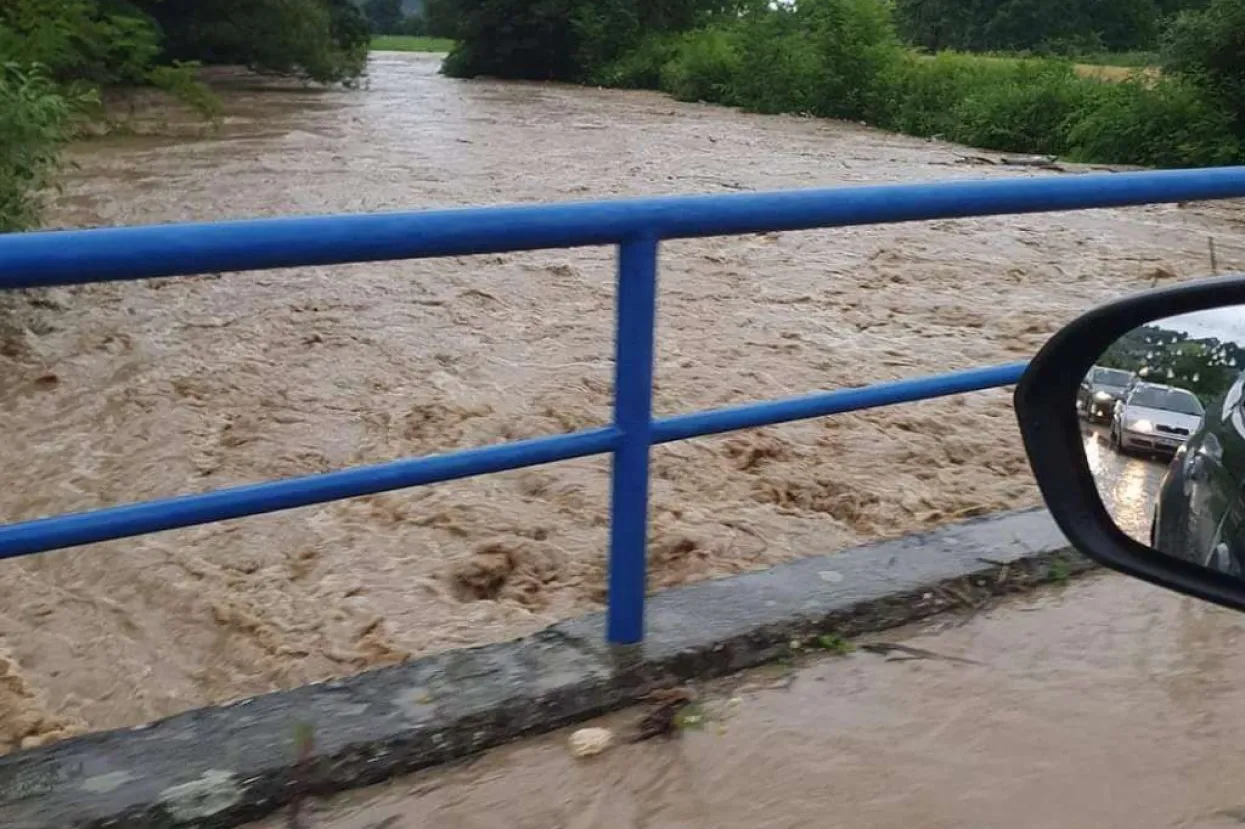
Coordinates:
589 741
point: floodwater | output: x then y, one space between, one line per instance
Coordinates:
122 392
1108 703
1128 484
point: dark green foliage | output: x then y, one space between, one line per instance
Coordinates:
1169 124
56 54
440 19
79 40
325 40
858 52
571 40
1207 47
36 119
384 17
842 59
779 67
1021 107
1066 27
704 67
1204 365
528 39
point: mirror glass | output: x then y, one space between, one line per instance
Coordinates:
1164 434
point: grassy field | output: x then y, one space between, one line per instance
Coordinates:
407 43
1105 67
1136 60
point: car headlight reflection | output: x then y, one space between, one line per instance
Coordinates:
1102 397
1143 426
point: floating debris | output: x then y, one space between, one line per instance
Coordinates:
587 742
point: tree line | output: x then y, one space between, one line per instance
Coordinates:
859 60
1206 366
430 18
1043 26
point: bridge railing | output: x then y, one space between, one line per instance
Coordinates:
636 227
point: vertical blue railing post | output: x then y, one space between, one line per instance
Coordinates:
633 417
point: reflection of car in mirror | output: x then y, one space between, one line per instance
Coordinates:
1154 419
1180 524
1199 514
1101 388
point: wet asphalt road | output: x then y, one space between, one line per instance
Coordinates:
1128 484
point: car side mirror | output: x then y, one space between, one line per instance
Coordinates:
1158 492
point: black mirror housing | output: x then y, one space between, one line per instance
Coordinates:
1051 430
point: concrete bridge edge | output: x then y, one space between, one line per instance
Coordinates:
218 767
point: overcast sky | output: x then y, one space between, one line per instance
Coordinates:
1227 324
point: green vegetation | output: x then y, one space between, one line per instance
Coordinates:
1063 27
411 43
1205 365
432 19
55 56
1129 60
36 117
846 59
834 643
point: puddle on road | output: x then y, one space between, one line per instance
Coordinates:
1107 703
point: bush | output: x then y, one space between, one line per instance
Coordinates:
858 53
569 40
641 68
1172 123
927 91
76 40
515 39
779 68
704 68
1049 27
833 58
323 40
1023 106
1207 48
36 119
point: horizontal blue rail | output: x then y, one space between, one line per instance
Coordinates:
69 257
636 226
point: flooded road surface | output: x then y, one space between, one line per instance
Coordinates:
1128 484
1107 703
121 392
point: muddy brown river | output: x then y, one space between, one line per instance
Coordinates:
122 392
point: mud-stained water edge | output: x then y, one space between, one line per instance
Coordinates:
121 392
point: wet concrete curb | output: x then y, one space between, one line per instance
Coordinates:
217 767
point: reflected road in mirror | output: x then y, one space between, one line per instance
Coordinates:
1127 484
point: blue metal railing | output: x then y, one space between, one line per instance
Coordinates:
636 226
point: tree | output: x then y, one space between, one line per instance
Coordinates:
1207 46
556 39
384 16
324 40
1061 26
